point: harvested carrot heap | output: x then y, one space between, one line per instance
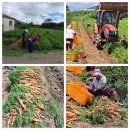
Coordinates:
71 114
24 107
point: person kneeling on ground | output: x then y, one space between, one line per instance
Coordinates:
31 40
99 86
24 38
70 33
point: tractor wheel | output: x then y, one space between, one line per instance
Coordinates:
94 40
98 42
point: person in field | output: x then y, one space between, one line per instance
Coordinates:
70 33
99 85
31 40
24 39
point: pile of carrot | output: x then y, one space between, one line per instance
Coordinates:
71 114
29 78
110 106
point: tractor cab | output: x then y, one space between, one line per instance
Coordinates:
106 27
109 17
107 22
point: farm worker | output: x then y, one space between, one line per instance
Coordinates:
70 33
24 38
31 40
99 85
99 82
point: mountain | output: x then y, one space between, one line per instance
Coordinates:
94 7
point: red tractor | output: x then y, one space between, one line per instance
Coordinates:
108 16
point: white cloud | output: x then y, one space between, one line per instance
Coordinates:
81 5
31 12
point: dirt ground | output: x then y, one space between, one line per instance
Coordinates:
116 123
49 58
5 91
92 55
52 84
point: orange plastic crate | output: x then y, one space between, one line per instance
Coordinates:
78 70
73 24
71 56
77 91
77 40
70 68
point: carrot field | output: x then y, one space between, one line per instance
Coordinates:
51 39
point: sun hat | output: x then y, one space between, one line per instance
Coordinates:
26 30
97 72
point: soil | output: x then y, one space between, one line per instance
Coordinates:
49 58
5 91
92 55
52 84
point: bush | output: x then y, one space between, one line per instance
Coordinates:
118 77
117 50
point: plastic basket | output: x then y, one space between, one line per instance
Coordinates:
77 91
77 40
71 56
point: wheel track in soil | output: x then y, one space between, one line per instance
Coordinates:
93 55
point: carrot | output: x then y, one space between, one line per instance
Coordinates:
36 123
72 119
20 112
21 103
41 107
43 117
67 126
14 114
37 120
13 119
36 116
33 71
75 111
8 123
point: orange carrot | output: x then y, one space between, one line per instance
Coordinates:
21 103
8 123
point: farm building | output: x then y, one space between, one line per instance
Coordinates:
8 23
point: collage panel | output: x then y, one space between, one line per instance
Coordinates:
33 97
97 97
33 35
96 32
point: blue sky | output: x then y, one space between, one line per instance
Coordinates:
34 12
81 5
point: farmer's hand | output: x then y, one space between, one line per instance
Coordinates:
88 87
94 90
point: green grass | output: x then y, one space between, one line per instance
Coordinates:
50 40
118 51
55 111
123 28
89 21
14 75
17 91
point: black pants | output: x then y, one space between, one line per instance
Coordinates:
30 46
23 44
